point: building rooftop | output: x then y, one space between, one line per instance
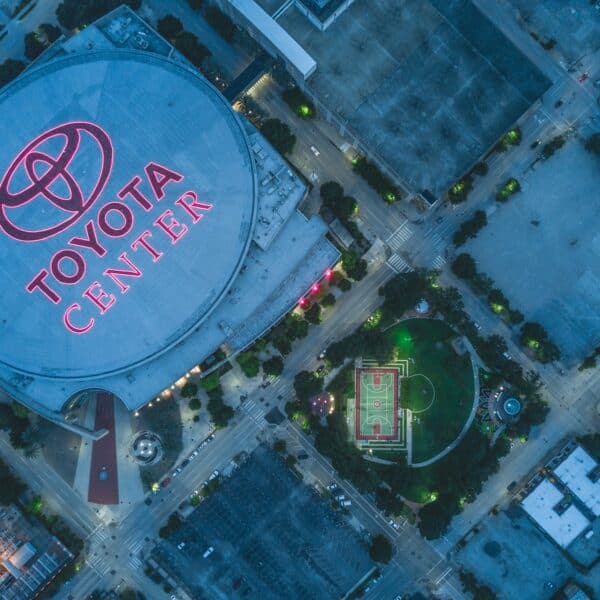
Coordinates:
29 556
543 506
293 52
580 473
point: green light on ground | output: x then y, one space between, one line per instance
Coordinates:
304 110
533 344
390 197
433 496
497 308
155 487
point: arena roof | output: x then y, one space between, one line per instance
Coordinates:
127 206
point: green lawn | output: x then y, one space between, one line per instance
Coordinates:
443 414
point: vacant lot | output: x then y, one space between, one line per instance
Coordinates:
427 85
542 249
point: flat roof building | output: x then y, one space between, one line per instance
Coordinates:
30 557
143 223
581 474
548 507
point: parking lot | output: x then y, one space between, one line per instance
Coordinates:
575 25
271 537
427 85
502 552
542 248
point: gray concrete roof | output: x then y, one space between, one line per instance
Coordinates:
153 111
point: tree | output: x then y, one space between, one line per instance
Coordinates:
195 404
313 314
279 446
187 43
50 32
189 390
222 24
460 190
128 594
331 192
344 284
299 102
435 517
169 27
195 4
279 135
296 327
9 70
273 366
220 413
328 300
470 228
387 501
464 266
381 549
307 385
355 267
249 363
283 345
592 144
33 46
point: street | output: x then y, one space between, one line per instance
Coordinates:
115 551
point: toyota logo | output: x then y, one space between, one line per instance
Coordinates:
42 173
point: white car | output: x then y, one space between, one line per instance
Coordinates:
213 475
314 151
507 356
393 524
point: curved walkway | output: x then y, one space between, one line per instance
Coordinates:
469 421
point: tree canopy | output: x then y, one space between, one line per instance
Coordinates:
381 549
279 135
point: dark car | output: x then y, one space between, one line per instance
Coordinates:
185 463
165 482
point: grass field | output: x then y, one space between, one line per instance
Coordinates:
441 396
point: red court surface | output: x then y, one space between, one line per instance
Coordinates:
376 411
104 485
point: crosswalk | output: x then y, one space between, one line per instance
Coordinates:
398 264
255 410
400 237
438 262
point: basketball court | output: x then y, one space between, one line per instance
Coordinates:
376 409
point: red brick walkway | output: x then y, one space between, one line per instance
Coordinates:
104 485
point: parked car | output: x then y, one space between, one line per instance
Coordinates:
165 482
213 475
507 356
346 503
185 463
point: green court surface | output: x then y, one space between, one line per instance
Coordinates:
376 413
440 386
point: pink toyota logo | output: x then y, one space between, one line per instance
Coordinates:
42 174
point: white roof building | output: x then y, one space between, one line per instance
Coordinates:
576 472
541 505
